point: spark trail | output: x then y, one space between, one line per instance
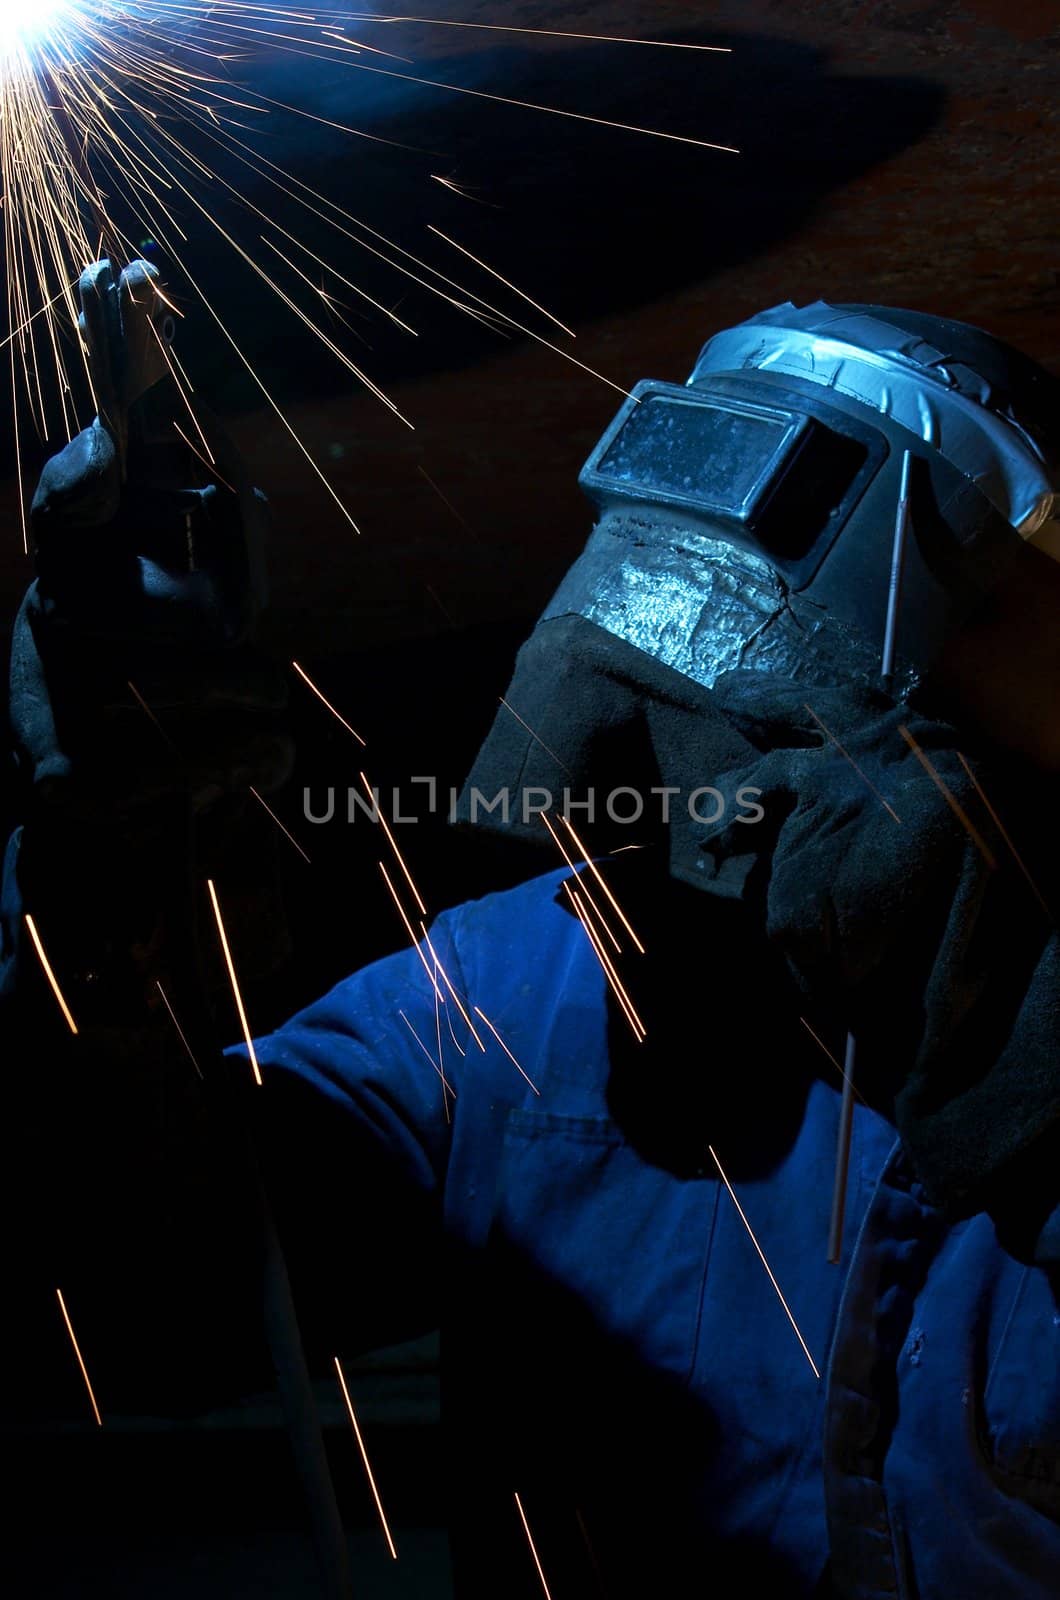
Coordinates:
364 1457
80 1358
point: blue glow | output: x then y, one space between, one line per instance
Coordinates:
25 21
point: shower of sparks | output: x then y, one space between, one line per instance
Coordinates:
97 99
594 869
765 1263
308 680
862 774
480 1013
533 1547
999 825
234 981
618 988
284 830
80 1357
49 974
950 798
364 1457
176 1024
118 119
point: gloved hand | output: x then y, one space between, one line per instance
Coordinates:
139 701
142 712
133 677
893 896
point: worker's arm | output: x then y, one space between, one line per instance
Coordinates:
141 715
353 1128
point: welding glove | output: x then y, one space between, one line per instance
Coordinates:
141 711
133 675
891 889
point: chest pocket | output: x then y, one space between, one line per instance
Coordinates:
601 1248
1022 1400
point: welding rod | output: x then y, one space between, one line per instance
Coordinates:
890 634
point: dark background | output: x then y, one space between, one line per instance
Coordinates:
902 153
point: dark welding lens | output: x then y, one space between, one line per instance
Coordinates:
777 477
169 329
721 460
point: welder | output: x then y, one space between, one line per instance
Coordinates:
823 570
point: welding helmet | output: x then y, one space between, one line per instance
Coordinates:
771 481
747 520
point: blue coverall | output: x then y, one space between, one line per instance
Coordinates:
613 1346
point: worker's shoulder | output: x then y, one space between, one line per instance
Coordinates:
517 914
533 926
532 979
